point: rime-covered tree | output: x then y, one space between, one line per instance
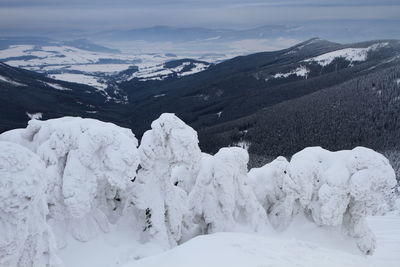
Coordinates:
26 239
88 163
170 158
221 199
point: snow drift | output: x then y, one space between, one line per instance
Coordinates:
83 177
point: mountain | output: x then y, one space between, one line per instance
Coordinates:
83 62
244 85
342 30
274 103
25 94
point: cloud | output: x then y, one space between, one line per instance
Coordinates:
125 14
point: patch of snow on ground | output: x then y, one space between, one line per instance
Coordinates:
304 245
57 86
349 54
159 72
80 78
104 68
111 249
301 71
198 67
7 80
160 95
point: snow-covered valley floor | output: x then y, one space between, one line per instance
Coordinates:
304 244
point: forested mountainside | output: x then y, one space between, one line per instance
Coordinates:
315 93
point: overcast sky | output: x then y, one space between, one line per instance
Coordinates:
25 15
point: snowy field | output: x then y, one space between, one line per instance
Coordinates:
302 245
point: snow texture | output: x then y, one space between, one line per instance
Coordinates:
221 199
9 81
80 179
87 163
349 54
26 238
239 249
169 160
301 71
333 188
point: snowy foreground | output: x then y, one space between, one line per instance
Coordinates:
304 245
80 192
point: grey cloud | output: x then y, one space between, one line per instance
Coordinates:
124 14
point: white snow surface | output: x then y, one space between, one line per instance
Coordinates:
9 81
349 54
87 163
302 245
80 78
25 237
301 71
160 72
57 86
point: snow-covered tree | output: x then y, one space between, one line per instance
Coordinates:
169 160
26 239
221 199
271 185
88 163
342 188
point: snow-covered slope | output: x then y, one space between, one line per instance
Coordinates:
349 54
162 71
304 247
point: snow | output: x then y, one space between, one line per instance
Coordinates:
349 54
9 81
83 190
103 68
80 78
64 60
160 95
87 163
57 86
35 116
221 199
25 235
301 71
243 144
160 72
304 247
170 158
197 68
